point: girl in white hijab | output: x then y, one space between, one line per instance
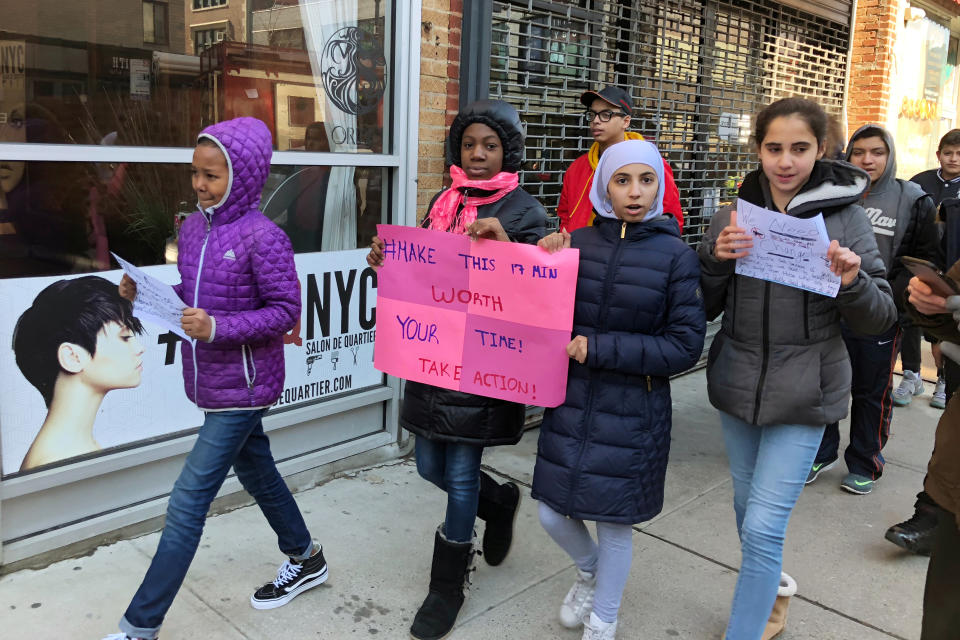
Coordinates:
638 319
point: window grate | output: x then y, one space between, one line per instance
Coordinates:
697 71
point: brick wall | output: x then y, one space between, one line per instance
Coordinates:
871 62
440 31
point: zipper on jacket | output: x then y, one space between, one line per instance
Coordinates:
649 386
605 294
733 314
806 315
196 297
765 350
249 373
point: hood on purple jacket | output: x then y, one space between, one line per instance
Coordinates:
238 266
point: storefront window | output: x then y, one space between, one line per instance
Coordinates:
156 72
927 89
135 83
67 217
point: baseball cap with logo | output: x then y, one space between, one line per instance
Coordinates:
616 96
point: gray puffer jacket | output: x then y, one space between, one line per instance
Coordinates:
779 357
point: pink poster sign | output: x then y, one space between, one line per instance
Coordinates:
485 317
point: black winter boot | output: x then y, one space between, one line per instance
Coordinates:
916 534
449 576
498 506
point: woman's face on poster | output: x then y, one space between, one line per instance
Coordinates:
118 361
12 129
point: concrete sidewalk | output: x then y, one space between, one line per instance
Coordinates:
377 526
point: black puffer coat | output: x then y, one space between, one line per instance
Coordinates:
453 416
603 453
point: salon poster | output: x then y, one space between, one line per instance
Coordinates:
61 403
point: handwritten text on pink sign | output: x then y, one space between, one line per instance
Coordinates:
485 317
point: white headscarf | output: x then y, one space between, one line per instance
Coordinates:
620 155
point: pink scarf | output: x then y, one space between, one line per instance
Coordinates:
444 211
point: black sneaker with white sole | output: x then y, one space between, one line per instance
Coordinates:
293 578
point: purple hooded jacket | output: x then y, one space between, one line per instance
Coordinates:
238 266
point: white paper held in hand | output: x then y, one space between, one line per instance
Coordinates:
787 250
156 301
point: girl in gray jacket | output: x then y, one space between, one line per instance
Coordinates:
778 371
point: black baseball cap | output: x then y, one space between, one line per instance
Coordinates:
616 96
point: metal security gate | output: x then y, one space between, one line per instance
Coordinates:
697 71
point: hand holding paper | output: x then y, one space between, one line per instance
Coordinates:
153 300
555 242
843 262
733 242
196 323
128 288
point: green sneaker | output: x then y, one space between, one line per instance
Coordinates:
818 468
855 483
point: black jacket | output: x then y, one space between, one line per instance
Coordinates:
939 189
454 416
603 453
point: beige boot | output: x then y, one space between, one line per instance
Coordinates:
778 617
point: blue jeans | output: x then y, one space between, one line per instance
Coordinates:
769 466
455 468
226 438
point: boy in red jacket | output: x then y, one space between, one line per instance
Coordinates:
608 116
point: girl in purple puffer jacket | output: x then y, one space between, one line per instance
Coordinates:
239 280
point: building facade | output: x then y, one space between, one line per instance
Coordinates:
903 75
97 121
100 105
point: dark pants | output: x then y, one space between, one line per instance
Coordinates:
941 615
872 359
911 354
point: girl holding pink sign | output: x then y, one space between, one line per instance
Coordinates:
638 319
485 151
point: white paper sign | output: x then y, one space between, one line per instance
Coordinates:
156 300
787 250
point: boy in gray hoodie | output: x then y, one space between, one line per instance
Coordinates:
903 221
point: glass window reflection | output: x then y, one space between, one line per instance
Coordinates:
191 62
66 217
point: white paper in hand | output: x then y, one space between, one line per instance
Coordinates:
156 300
787 250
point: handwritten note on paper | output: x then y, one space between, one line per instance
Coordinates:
787 250
485 317
156 300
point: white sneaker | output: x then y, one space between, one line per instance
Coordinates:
596 629
579 600
939 399
120 636
911 385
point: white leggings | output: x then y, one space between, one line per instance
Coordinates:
609 561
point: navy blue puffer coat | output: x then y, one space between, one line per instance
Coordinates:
603 453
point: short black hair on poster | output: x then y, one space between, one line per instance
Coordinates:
71 310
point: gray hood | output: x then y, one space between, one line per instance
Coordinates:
889 175
889 202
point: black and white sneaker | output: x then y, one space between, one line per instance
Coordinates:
293 578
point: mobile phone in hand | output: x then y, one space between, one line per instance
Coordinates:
941 284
